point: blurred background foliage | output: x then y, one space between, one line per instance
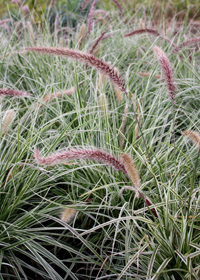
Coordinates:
169 8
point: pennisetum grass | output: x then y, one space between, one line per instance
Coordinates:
168 77
142 31
86 58
118 5
7 120
51 96
146 74
152 32
99 39
91 154
93 61
12 92
104 13
37 238
68 214
81 34
131 170
188 42
90 16
194 136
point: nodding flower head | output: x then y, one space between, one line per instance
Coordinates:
86 154
167 71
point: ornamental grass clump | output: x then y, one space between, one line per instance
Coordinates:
61 215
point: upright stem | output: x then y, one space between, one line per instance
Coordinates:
195 168
173 123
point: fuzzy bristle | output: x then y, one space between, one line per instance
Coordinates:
7 120
167 71
193 135
132 172
68 214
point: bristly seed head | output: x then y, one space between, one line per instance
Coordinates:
12 92
193 135
132 172
86 154
167 71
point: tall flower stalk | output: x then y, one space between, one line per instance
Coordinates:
168 77
86 154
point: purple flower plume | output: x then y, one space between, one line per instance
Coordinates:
96 12
141 31
90 16
4 21
191 41
117 4
91 154
87 59
84 4
12 92
152 32
167 71
99 39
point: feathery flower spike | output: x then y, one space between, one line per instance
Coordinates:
90 16
187 42
132 172
86 58
142 31
25 8
7 120
167 71
68 215
97 41
146 74
4 21
91 154
12 92
117 4
81 34
97 12
50 97
84 4
150 31
193 135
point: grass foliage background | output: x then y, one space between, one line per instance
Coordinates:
110 237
